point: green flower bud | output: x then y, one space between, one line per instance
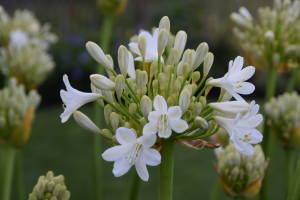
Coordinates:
142 45
107 112
85 122
195 77
112 78
114 140
123 59
208 61
162 80
199 56
143 76
202 100
155 86
107 134
153 69
162 41
119 85
184 100
197 109
185 69
143 121
167 71
146 106
174 57
170 102
132 108
164 24
127 125
207 90
179 43
177 87
114 121
201 123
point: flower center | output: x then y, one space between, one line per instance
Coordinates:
239 84
162 124
133 156
246 138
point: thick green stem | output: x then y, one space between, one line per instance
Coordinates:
289 167
105 37
294 192
7 160
165 184
19 176
238 198
135 186
293 79
215 195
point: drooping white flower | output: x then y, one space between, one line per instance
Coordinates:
74 99
242 130
234 80
132 151
151 50
164 120
18 39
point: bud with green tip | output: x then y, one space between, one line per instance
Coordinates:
153 69
102 82
170 102
208 61
195 77
85 122
123 59
132 108
164 24
119 85
142 45
202 100
146 106
185 69
199 56
201 123
107 112
162 41
162 80
174 54
114 121
197 109
184 100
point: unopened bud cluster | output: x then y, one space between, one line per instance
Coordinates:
50 187
238 171
284 116
268 43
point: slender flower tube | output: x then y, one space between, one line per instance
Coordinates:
242 130
164 120
74 99
102 82
151 50
85 122
132 151
232 108
234 80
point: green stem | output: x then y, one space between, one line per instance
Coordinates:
294 192
216 191
293 79
19 176
135 186
184 80
149 88
169 86
105 37
202 91
238 198
201 82
158 72
7 160
165 184
289 167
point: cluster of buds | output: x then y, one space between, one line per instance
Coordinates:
50 188
240 175
284 117
24 29
275 40
168 103
29 65
16 113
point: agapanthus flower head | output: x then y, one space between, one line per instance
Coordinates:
167 104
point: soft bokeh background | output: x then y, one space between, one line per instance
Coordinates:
67 148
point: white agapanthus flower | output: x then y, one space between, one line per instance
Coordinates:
164 120
234 80
18 39
132 151
74 99
151 50
242 130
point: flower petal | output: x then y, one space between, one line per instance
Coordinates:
121 167
255 136
116 152
125 136
150 128
134 47
237 65
231 108
247 149
165 134
179 125
247 88
160 104
244 74
225 123
147 140
251 122
174 113
154 117
151 156
72 107
141 169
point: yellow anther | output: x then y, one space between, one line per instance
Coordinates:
243 81
136 155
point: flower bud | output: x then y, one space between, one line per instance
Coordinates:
114 121
269 36
146 106
143 121
107 134
85 122
107 112
128 125
202 100
119 85
96 52
207 90
208 61
240 20
162 80
102 82
162 41
132 108
174 57
123 59
180 41
153 69
142 45
185 69
170 102
201 123
164 24
143 78
155 85
167 71
97 91
197 109
177 87
195 77
245 13
184 100
109 58
199 56
34 99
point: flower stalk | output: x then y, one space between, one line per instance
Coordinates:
294 192
135 187
289 167
293 79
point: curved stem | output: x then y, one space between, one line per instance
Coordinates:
135 186
202 91
201 82
294 192
293 79
289 167
165 184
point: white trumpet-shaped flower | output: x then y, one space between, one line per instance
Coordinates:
151 50
242 130
74 99
234 80
132 151
164 120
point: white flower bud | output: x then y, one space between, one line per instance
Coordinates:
155 85
197 109
114 121
177 87
34 99
202 100
162 80
119 85
245 13
174 57
107 112
179 44
184 100
109 58
164 24
102 82
201 123
269 36
96 52
153 69
97 91
207 90
85 122
146 106
199 56
142 45
208 61
240 20
132 108
123 59
195 77
162 41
